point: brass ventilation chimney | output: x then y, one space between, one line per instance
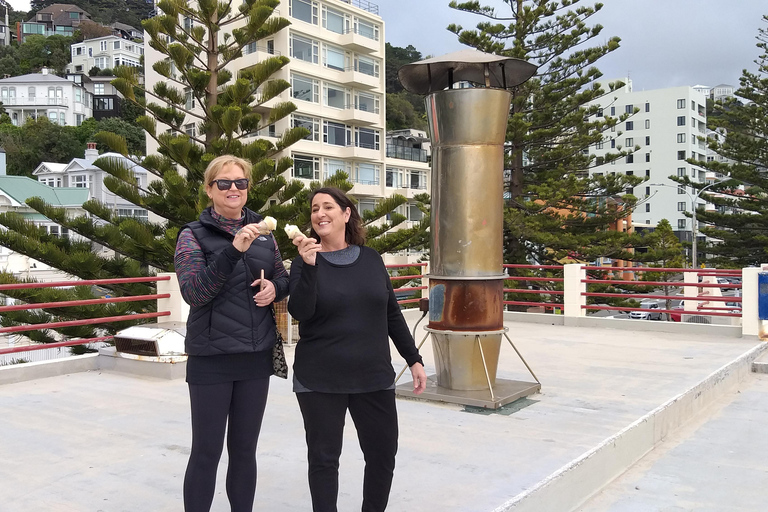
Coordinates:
468 128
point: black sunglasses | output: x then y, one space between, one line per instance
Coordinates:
241 184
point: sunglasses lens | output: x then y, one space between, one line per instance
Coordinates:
241 184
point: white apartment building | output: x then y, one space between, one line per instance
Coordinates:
669 128
105 52
337 82
44 94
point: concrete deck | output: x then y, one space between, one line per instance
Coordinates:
104 440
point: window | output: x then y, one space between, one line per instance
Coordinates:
648 157
62 118
335 134
648 140
693 105
414 213
367 174
367 66
333 20
365 205
613 143
189 99
305 88
79 118
367 102
599 145
647 124
80 181
31 92
103 104
367 138
304 10
693 122
366 29
629 142
103 63
680 120
681 103
681 155
310 123
334 96
334 58
647 191
647 106
628 109
116 45
394 177
680 137
630 173
647 207
306 167
74 15
187 23
630 159
417 180
630 125
681 223
613 111
681 171
681 206
103 46
647 173
304 49
189 129
332 166
600 112
681 190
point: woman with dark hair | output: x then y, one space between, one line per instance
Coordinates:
220 260
343 299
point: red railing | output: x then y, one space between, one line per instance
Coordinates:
534 279
84 302
408 278
702 309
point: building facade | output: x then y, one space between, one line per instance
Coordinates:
105 52
56 19
336 71
61 100
668 129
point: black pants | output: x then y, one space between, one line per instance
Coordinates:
241 405
375 418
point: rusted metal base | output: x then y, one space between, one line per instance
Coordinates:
504 392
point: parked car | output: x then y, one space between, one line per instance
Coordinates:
676 316
646 315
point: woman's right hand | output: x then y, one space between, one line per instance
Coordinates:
245 237
308 248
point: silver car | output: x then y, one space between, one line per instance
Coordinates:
646 315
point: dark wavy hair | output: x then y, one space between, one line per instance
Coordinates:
354 233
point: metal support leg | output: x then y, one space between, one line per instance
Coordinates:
485 368
522 358
406 366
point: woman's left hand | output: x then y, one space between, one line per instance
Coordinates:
419 378
267 295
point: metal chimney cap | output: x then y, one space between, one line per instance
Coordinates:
438 73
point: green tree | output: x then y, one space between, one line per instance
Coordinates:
39 51
554 208
739 224
38 140
404 109
663 250
230 108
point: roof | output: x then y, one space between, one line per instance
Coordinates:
35 77
21 188
125 27
49 167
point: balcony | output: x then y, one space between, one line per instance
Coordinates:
359 117
364 5
43 101
358 42
359 80
406 153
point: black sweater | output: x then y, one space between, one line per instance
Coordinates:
346 314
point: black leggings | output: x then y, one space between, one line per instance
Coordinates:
375 418
241 404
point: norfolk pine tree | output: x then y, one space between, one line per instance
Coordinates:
229 99
554 209
740 224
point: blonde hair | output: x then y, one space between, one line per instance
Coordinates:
218 163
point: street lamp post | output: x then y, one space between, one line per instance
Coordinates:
694 226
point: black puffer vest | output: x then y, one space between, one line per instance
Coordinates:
232 323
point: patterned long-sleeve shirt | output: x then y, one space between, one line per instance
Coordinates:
200 281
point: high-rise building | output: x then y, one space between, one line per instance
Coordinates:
670 126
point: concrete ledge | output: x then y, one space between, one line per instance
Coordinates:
573 484
156 367
729 331
534 318
41 369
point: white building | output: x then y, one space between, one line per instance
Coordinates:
337 82
105 52
44 94
669 128
82 173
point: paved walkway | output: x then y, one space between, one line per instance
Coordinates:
715 463
104 441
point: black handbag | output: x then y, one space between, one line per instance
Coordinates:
279 364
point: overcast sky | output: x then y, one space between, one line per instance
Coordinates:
664 43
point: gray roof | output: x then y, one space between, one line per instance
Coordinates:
22 188
35 77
